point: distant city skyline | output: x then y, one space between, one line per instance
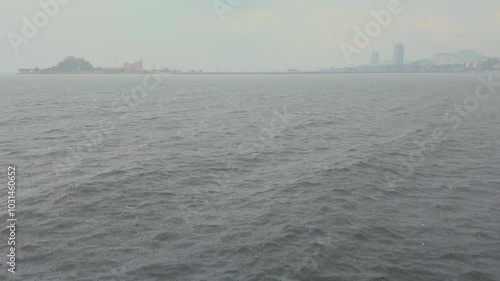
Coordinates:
258 35
398 57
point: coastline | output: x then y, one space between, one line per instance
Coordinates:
262 73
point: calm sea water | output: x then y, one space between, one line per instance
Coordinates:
253 177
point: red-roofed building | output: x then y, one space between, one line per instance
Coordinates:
133 66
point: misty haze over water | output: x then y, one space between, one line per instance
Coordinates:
262 140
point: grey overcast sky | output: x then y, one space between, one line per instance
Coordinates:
257 35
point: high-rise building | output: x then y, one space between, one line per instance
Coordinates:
375 58
399 54
441 59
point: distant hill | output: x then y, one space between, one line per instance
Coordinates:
68 65
464 55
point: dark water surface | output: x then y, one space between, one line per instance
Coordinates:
253 177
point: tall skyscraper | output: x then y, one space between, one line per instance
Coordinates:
375 58
399 54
